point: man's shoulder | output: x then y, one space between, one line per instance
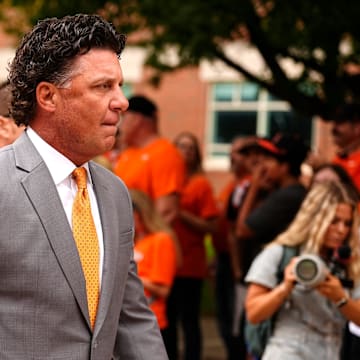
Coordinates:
165 154
162 146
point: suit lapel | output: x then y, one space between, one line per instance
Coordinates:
43 194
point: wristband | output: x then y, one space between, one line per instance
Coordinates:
343 301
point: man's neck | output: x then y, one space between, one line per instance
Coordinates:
149 140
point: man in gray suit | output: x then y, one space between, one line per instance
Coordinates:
66 82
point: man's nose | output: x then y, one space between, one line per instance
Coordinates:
119 102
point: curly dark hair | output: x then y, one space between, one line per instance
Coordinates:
48 52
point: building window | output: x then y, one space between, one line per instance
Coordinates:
246 109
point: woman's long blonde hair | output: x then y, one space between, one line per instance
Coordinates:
314 217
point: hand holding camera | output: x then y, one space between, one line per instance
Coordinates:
310 270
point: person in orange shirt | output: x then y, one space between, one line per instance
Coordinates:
154 253
150 163
346 136
9 131
197 217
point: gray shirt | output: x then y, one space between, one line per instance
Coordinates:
308 326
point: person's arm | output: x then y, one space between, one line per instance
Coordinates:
157 290
332 289
202 215
351 310
198 223
168 207
241 230
235 260
261 302
251 200
236 241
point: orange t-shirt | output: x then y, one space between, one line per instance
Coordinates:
197 197
155 256
351 164
158 169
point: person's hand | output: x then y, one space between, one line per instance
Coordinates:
259 176
331 288
289 277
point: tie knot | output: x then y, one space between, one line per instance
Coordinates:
79 175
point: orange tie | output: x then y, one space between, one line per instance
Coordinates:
86 240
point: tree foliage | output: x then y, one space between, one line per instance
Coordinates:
321 36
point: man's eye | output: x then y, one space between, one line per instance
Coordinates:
104 86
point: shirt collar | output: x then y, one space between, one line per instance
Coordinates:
60 167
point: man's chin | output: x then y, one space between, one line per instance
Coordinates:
109 143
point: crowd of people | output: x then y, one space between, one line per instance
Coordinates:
266 203
149 213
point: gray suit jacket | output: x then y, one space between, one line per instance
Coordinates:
43 306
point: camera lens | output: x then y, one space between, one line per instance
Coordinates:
307 270
310 270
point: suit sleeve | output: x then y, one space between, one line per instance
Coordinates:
138 335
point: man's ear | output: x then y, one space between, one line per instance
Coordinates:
46 96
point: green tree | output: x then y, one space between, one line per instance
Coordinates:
321 37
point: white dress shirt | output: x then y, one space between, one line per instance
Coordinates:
61 169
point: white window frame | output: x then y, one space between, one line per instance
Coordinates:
262 106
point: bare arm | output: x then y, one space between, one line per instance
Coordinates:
251 200
351 310
158 290
332 289
235 260
197 223
261 302
168 207
241 232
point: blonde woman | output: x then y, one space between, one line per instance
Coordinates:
309 321
155 253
